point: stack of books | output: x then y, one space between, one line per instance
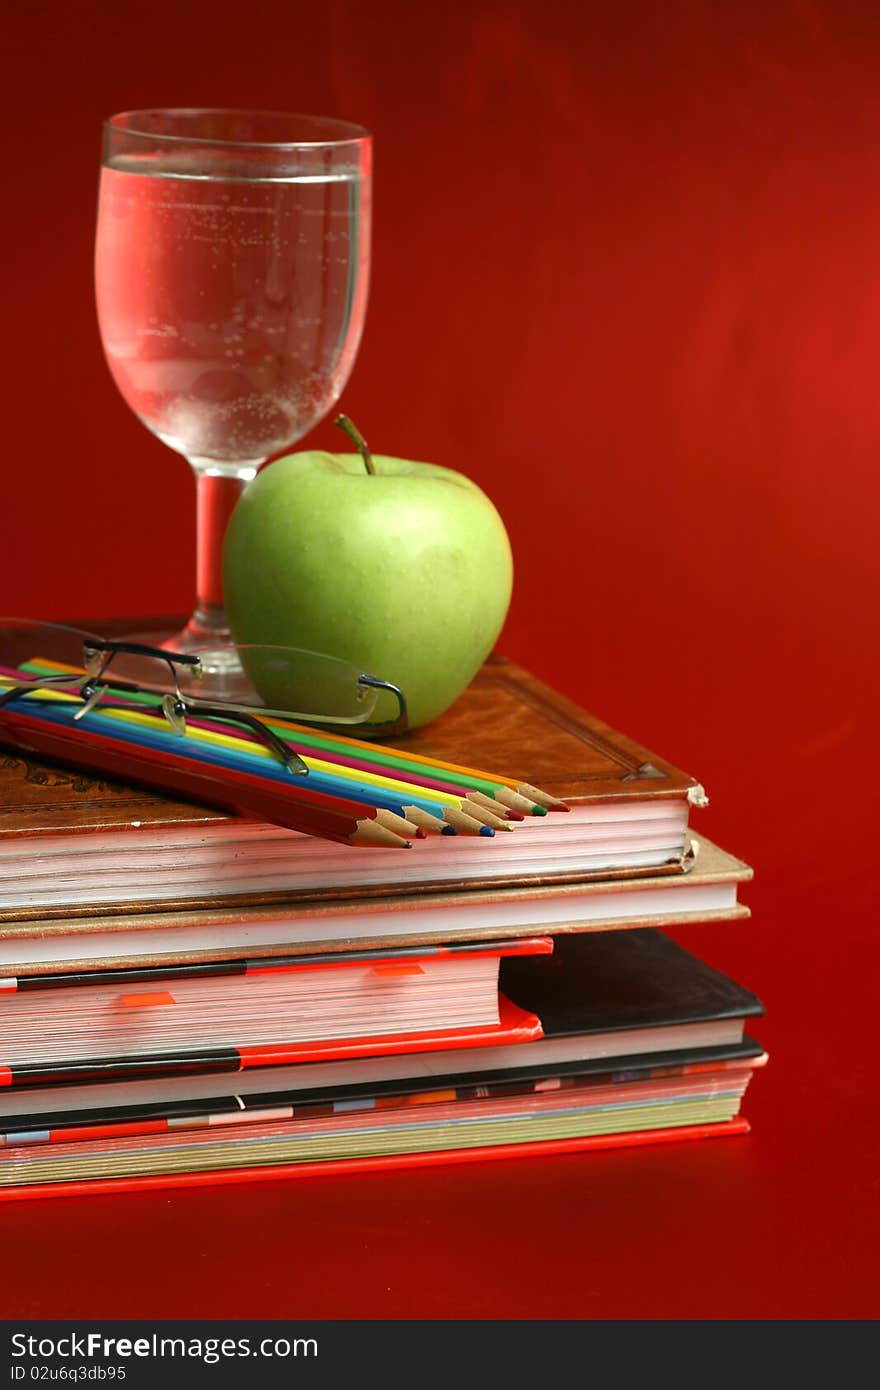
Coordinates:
190 997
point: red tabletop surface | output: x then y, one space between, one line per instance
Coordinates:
625 278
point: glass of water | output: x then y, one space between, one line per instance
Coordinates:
231 268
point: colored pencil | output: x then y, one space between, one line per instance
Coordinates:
530 800
495 806
516 801
433 825
150 731
235 791
479 813
486 782
399 825
466 824
216 743
404 760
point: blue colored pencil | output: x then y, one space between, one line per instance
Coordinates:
56 712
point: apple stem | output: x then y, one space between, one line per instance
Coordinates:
357 440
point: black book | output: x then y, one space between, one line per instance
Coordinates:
599 983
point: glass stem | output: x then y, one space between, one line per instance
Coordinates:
218 488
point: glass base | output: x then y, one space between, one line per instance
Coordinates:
223 677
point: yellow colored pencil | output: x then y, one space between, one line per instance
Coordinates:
232 742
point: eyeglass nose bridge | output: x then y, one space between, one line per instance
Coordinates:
98 653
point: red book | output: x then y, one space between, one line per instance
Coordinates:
230 1016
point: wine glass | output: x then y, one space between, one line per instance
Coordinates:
231 270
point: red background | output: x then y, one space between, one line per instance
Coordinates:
626 277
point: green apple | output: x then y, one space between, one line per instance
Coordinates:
402 568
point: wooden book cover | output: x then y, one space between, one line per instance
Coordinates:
506 722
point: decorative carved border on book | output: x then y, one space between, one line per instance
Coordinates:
43 775
89 795
634 762
550 711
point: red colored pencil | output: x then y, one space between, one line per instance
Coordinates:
241 793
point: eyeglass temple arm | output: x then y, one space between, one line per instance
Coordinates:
391 726
292 761
38 683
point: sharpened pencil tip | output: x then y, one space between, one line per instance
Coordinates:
550 803
416 815
486 830
370 832
449 830
539 810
